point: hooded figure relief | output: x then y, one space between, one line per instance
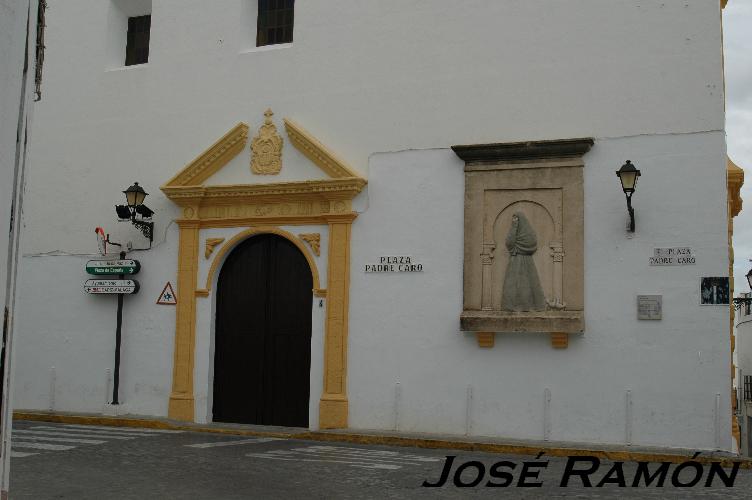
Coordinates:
522 289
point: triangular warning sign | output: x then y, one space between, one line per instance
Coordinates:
167 297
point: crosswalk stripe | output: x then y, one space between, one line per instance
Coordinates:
232 443
41 446
20 454
366 451
90 431
356 457
375 454
17 438
63 434
354 463
124 429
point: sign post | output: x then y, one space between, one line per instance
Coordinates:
118 336
120 287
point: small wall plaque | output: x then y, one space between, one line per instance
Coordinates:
650 307
394 264
673 256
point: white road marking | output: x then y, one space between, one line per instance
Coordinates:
40 446
356 457
380 452
20 454
233 443
40 437
90 431
348 462
17 438
63 434
364 453
124 429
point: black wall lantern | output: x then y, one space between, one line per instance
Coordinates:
136 212
628 175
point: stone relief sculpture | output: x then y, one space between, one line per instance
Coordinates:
522 289
266 148
524 239
314 240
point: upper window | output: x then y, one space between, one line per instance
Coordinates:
137 47
275 20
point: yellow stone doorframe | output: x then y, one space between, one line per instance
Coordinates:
333 407
181 398
259 206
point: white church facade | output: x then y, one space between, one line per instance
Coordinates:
387 216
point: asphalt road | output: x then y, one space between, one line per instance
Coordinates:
87 462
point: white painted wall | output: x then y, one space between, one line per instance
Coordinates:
389 93
432 76
743 351
743 363
74 332
405 328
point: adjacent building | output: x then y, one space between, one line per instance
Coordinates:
393 216
21 50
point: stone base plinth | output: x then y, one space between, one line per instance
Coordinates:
333 413
538 322
181 408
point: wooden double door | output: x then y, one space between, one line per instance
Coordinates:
262 343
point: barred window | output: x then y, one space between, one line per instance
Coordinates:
137 47
275 22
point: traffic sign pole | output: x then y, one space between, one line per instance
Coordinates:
120 286
118 338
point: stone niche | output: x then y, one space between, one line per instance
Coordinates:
523 266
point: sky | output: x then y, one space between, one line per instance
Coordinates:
737 33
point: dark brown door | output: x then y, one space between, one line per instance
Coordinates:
262 343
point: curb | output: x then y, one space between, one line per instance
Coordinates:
144 423
375 439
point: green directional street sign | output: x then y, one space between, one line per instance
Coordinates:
111 286
99 267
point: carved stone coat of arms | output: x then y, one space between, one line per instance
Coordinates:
266 148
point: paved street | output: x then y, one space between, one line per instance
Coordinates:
94 462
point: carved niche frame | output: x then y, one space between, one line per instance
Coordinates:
544 180
262 208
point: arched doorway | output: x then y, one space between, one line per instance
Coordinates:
262 342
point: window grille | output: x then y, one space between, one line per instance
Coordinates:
275 22
748 388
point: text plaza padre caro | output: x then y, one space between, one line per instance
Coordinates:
392 264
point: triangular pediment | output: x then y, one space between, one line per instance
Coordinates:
327 177
238 170
213 159
319 154
230 145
